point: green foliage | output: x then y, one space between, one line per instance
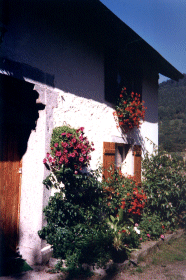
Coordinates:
74 273
172 113
126 201
75 221
165 185
123 192
131 239
75 215
56 135
119 227
69 149
89 221
139 269
151 225
129 111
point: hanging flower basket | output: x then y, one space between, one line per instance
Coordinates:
130 111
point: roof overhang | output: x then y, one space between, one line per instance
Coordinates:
129 43
93 22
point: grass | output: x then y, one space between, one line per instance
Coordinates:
169 255
139 269
175 250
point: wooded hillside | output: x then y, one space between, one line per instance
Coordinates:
172 115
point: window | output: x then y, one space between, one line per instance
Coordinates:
118 75
115 154
119 155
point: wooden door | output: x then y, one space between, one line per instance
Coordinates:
10 176
137 163
18 116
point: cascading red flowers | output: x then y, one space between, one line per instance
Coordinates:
137 201
130 111
125 193
133 201
73 150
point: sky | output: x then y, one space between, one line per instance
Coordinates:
161 23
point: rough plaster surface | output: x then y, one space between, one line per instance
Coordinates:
49 56
34 195
95 117
78 100
98 121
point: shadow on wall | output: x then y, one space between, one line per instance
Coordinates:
19 114
134 137
18 117
20 70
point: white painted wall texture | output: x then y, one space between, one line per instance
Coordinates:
96 118
98 121
77 99
31 204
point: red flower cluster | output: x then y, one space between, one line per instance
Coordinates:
130 111
125 194
122 204
137 202
73 151
134 202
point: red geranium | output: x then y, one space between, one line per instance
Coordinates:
130 111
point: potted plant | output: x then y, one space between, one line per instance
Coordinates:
130 111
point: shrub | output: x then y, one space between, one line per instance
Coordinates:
69 148
164 183
126 201
151 226
76 227
75 222
123 192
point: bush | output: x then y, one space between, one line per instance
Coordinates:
151 226
126 201
76 226
69 148
164 183
75 222
89 221
123 192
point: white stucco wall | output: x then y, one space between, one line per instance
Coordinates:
31 205
98 121
32 191
34 196
95 117
77 70
37 54
127 167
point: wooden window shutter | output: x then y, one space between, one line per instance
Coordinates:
137 163
108 158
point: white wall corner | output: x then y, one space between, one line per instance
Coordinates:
31 202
